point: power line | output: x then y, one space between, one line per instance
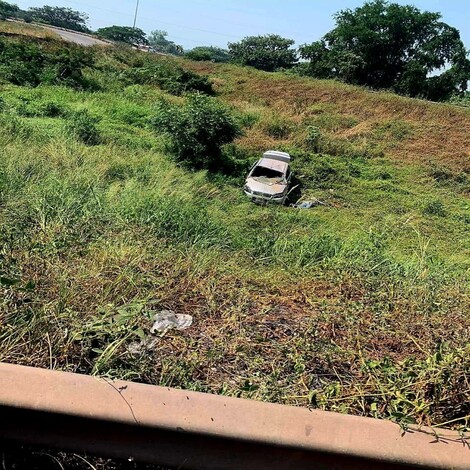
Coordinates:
157 21
189 28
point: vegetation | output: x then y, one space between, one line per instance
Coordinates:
158 40
24 29
358 305
124 34
22 457
61 17
168 76
463 100
197 130
214 54
31 63
271 52
8 10
386 45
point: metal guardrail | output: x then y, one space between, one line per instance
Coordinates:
195 430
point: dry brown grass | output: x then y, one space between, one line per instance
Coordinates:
14 28
284 336
441 131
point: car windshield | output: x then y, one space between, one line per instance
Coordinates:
267 175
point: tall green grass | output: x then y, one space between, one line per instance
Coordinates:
341 306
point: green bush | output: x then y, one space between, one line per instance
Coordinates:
214 54
168 77
28 108
435 208
29 63
313 138
198 130
83 127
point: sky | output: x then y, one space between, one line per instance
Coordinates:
216 22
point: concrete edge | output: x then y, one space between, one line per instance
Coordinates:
233 419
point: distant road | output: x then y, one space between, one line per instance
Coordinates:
77 38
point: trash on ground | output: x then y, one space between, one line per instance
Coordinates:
167 320
139 347
309 204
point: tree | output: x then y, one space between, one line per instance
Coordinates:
214 54
198 129
269 53
157 39
386 45
125 34
61 17
8 10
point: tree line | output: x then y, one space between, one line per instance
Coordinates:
380 45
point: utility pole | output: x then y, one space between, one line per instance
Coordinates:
136 10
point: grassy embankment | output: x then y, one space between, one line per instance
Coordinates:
13 28
358 306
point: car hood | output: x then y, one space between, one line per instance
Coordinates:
265 187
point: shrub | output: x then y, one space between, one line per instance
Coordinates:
39 109
214 54
27 63
197 130
50 109
313 138
83 126
169 77
435 207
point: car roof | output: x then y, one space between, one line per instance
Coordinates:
273 164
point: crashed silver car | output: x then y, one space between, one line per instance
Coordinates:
269 178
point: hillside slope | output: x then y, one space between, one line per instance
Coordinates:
359 305
430 132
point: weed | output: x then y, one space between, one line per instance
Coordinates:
248 120
28 108
313 138
277 128
435 208
393 129
83 126
14 128
334 122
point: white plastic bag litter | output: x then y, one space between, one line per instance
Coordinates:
167 320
